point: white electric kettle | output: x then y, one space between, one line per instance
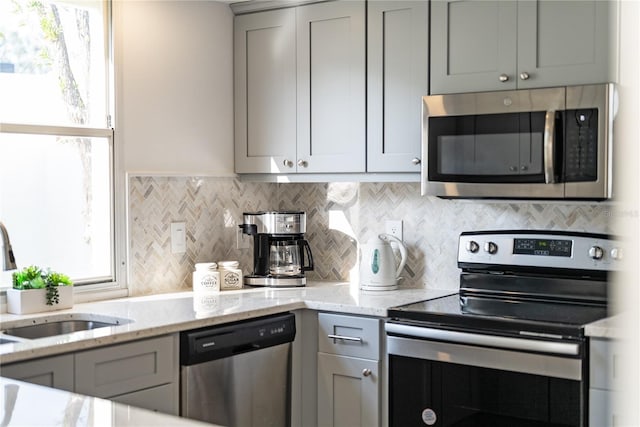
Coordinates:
378 269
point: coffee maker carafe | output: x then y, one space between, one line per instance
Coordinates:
281 255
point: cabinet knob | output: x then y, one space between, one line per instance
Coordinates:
366 372
303 163
524 75
288 163
503 78
416 161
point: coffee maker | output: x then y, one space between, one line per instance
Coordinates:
281 255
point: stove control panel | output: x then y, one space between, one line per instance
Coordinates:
584 251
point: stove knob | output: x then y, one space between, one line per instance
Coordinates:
596 252
616 253
490 247
472 246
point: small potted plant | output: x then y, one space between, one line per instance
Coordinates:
36 290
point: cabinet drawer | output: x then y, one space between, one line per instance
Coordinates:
349 335
125 368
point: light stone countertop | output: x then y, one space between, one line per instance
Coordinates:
25 404
170 313
611 327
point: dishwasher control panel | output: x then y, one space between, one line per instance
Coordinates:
217 342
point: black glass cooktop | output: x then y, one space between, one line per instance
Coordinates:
512 316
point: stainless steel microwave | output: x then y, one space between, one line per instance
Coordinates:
552 143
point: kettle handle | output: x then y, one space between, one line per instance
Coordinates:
401 246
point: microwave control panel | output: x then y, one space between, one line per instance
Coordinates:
581 145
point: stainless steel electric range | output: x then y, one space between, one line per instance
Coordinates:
509 349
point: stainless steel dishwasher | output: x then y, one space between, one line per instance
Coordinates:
238 374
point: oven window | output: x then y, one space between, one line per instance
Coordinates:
424 392
487 148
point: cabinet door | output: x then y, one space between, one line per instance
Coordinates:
397 78
563 42
473 45
331 87
163 399
265 92
347 391
56 372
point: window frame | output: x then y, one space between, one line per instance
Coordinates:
115 285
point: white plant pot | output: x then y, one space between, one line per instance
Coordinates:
35 300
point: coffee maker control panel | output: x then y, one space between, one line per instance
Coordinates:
274 223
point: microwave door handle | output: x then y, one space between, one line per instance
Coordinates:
548 146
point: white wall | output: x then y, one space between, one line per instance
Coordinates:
174 85
627 224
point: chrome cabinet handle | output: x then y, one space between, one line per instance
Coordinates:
416 161
503 78
524 75
288 163
366 372
303 163
344 338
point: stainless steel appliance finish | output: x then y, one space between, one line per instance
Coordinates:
281 255
238 374
277 223
531 144
509 348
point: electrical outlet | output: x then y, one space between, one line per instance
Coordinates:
178 237
393 227
243 241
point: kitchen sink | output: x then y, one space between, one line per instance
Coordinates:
52 328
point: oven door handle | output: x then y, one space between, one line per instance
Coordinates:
571 349
548 146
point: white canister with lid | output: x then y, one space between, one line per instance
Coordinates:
230 275
206 277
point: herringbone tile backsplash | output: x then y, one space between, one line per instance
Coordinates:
339 215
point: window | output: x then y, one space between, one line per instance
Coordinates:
57 174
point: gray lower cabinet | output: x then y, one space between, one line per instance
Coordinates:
54 371
141 373
397 78
518 44
300 89
350 371
604 382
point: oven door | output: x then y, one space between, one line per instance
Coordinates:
444 382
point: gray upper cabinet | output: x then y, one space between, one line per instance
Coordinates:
397 78
265 92
331 87
300 89
501 45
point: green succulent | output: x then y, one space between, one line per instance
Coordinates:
34 277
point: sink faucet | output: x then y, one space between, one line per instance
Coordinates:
9 261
